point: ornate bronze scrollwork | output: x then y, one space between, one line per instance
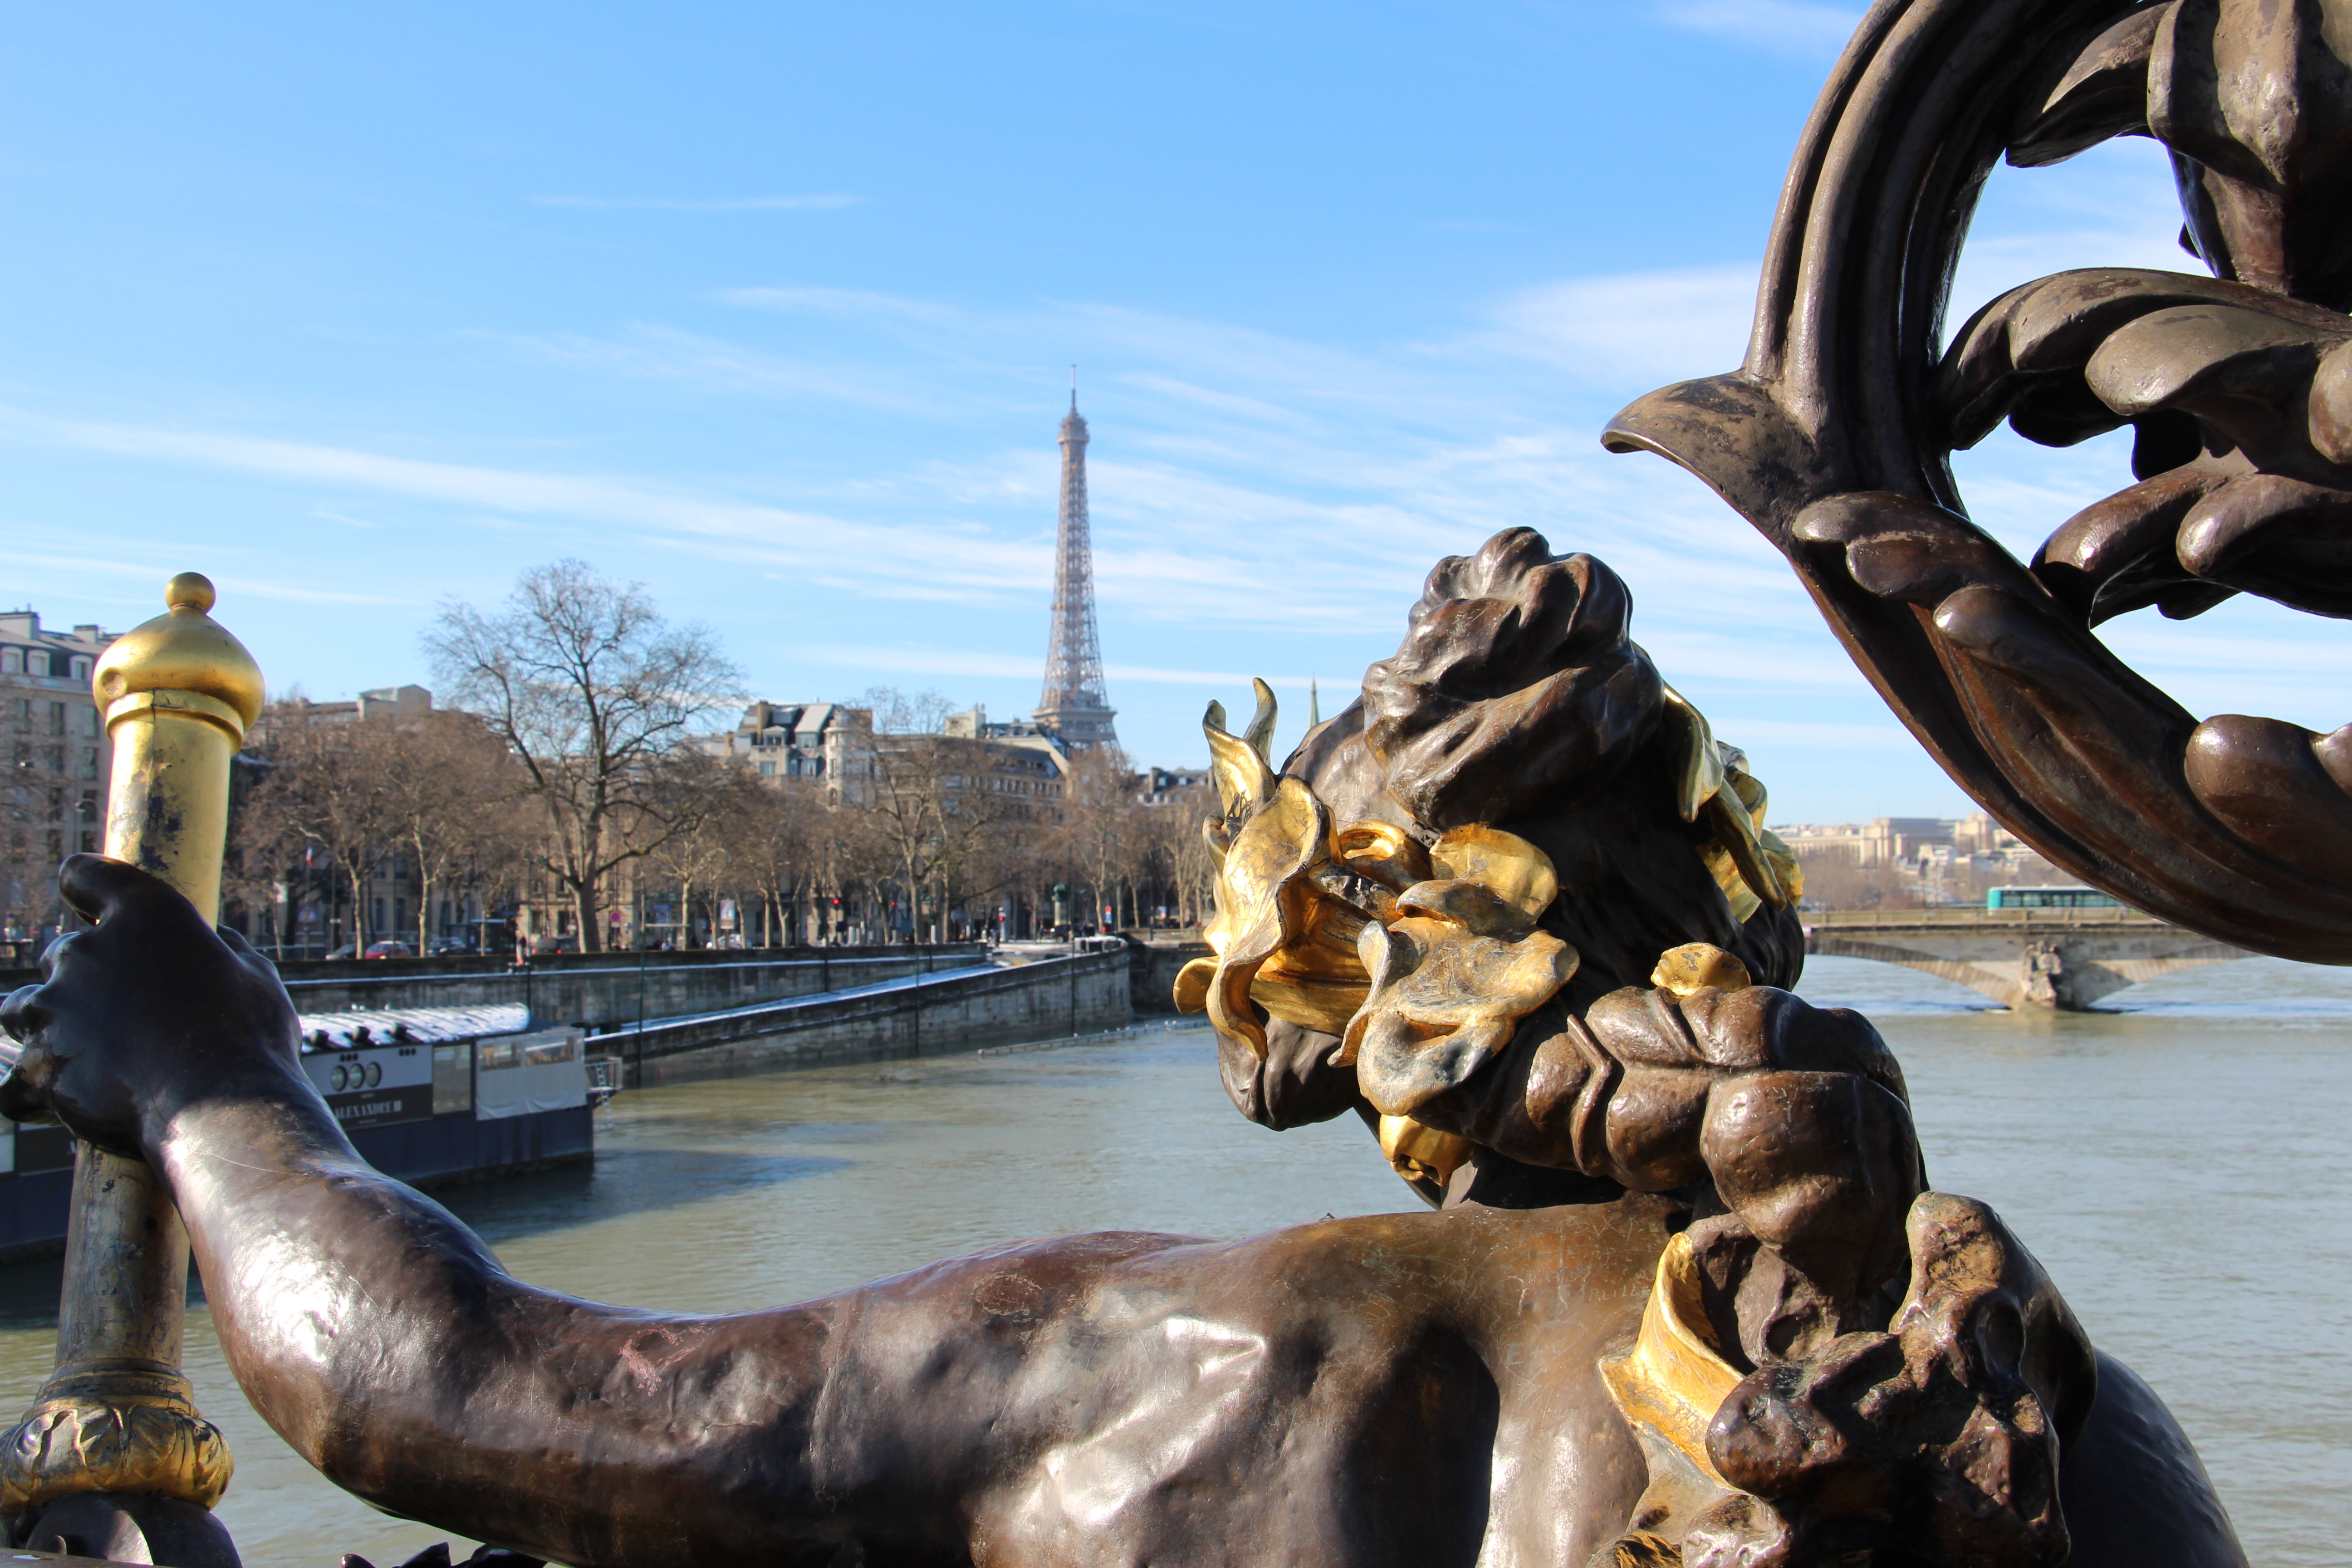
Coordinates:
1834 437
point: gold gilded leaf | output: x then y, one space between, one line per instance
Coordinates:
1424 1152
1444 1000
1381 852
1193 983
1260 733
1697 764
1739 841
1727 876
1244 782
1316 978
1515 870
1474 906
1321 1002
1698 966
1714 789
1258 905
1784 864
1282 941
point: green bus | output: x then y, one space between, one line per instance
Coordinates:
2050 899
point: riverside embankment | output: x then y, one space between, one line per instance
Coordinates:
912 1015
672 1017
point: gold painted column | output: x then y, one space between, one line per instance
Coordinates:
118 1415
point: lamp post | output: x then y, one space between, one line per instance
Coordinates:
114 1456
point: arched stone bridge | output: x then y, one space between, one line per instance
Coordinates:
2020 958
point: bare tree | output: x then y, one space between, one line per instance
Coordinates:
1175 852
41 804
773 831
1833 884
1193 864
591 690
988 834
1100 832
328 791
897 713
704 819
903 811
450 796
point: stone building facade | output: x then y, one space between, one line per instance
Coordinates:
58 754
828 742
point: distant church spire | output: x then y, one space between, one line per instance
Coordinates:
1313 705
1075 705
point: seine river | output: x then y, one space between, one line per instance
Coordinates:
2180 1163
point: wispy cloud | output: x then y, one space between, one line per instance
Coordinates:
1252 490
664 353
228 583
1889 736
1784 26
914 659
963 561
863 302
816 202
1645 327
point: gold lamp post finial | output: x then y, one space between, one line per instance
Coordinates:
118 1416
182 659
189 590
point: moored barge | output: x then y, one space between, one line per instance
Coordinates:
432 1096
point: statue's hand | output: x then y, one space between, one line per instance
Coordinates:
1939 1438
137 1018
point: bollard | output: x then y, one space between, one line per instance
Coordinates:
112 1455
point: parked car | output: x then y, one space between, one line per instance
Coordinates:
546 944
389 950
346 951
452 946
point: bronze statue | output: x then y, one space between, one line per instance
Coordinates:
1834 437
1688 1300
1688 1295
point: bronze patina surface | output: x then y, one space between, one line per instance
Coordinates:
1684 1294
1834 437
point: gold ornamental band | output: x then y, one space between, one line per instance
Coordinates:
140 1433
195 704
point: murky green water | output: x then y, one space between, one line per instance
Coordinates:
2180 1166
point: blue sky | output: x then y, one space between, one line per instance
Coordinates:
358 307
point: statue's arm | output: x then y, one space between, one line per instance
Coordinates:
385 1343
389 1347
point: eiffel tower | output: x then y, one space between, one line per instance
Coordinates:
1075 706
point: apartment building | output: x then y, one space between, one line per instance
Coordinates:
57 756
824 742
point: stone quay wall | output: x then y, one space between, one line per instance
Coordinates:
954 1012
597 991
1152 968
